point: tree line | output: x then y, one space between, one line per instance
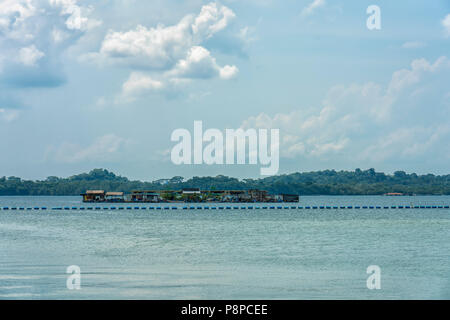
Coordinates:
327 182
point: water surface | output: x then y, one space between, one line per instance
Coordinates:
226 254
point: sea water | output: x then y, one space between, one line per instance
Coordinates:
226 254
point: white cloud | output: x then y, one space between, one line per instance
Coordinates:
371 122
15 17
77 16
409 143
309 10
139 82
212 18
162 47
22 9
26 26
168 56
157 48
59 35
104 148
446 25
13 14
200 64
407 77
228 72
30 55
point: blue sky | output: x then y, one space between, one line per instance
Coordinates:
102 84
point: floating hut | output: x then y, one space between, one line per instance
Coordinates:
145 196
115 197
94 196
188 195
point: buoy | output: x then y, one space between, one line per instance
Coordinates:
66 208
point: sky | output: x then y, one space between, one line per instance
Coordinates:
103 84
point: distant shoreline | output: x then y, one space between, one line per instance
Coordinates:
326 183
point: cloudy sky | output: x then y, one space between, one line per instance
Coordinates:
102 84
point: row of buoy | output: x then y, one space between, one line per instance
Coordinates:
223 208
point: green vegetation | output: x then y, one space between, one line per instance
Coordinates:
328 182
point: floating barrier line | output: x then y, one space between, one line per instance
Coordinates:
269 207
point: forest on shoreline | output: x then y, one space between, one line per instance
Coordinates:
327 182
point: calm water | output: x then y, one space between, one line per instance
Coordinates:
226 254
